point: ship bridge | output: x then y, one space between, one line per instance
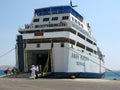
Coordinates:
57 10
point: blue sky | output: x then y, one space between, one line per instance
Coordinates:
103 16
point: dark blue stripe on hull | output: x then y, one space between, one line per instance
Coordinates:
78 75
90 75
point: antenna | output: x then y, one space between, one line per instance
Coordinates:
71 4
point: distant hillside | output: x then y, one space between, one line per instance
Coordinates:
4 67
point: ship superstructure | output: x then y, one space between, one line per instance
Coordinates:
59 39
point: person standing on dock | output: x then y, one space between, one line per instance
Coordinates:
36 71
15 72
33 69
7 71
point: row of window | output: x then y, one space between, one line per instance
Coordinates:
88 40
62 40
77 22
53 19
62 45
50 25
38 45
87 48
56 18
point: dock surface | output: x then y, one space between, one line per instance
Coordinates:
58 84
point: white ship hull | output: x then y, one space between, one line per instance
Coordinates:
64 61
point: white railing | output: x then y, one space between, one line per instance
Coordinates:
31 26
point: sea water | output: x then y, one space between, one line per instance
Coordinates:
112 75
2 72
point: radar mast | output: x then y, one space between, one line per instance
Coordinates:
72 4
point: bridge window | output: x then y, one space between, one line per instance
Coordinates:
75 20
36 20
65 17
54 18
78 23
45 19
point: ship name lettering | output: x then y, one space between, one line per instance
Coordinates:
75 56
79 57
84 58
80 63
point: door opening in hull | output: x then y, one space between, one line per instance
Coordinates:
42 58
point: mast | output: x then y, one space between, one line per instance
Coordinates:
72 4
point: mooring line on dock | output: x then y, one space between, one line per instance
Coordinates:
7 52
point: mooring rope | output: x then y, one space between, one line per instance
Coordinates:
7 52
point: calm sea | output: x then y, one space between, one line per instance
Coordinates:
112 75
1 72
108 74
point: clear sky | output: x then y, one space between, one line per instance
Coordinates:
103 16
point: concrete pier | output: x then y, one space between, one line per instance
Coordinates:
58 84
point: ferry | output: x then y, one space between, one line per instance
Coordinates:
60 40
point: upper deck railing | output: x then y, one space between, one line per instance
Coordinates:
43 26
